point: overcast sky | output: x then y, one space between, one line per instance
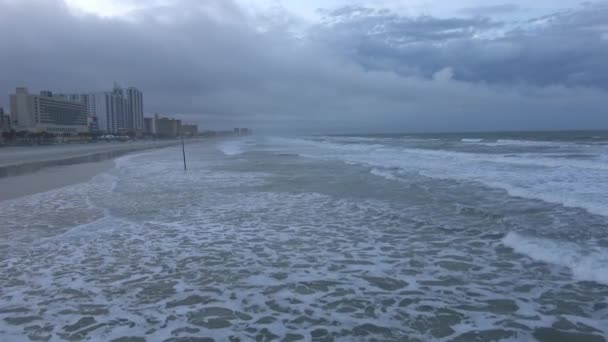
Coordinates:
323 66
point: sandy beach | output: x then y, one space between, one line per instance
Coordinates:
50 178
29 170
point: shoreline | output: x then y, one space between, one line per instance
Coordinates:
50 179
45 172
34 159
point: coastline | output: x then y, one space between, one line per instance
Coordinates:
51 178
29 170
15 161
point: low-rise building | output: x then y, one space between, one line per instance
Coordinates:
189 130
150 126
47 113
242 131
168 128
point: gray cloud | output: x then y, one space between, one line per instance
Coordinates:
358 70
490 9
563 48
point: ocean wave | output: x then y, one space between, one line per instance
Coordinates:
568 182
351 139
383 174
469 140
586 264
526 143
549 196
232 147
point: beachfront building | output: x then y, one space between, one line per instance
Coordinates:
189 130
47 113
110 108
116 112
5 122
106 110
5 127
168 128
242 131
135 110
89 101
150 126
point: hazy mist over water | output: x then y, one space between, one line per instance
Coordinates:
376 237
313 228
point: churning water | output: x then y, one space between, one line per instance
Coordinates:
427 237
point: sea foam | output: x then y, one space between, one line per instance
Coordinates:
542 176
586 264
232 147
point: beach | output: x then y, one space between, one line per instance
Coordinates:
50 178
19 160
26 170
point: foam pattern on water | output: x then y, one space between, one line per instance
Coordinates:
552 177
208 253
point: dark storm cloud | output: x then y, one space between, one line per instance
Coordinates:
359 70
563 48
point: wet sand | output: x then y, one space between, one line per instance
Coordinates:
16 161
50 178
34 169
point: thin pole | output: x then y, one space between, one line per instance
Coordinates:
184 153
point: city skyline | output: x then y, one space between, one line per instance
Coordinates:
327 67
117 111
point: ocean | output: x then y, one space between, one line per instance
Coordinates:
403 237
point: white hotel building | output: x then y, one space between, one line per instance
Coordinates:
135 110
116 111
47 113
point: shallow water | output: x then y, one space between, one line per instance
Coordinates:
319 238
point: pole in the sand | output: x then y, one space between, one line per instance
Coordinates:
184 153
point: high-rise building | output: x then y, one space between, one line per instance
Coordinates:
47 113
110 110
135 110
89 101
106 111
118 111
4 123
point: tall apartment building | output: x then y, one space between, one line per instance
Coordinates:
110 110
47 113
135 110
117 111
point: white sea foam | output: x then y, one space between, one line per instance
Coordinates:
382 173
470 140
304 262
544 176
585 263
232 147
351 139
526 143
